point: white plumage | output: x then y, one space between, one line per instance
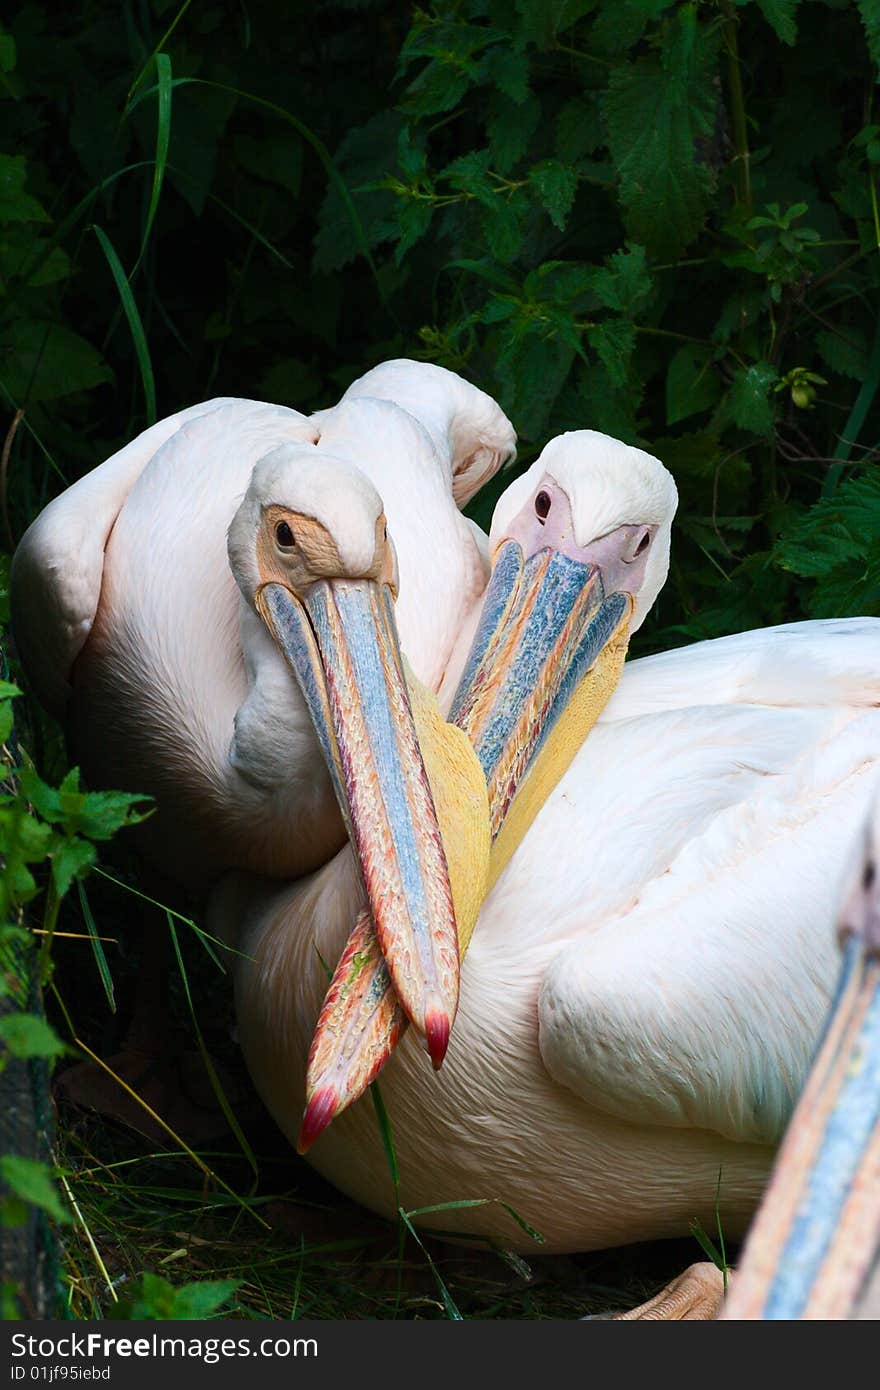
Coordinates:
648 978
133 630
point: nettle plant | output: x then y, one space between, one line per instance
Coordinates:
47 843
658 220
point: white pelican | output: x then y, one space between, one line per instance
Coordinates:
132 630
137 630
812 1251
650 971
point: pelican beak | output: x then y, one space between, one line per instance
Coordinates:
812 1251
544 623
340 640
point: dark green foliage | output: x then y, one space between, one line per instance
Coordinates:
655 219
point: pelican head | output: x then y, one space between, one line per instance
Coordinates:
580 548
310 550
601 502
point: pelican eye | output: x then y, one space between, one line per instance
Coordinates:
542 506
283 534
643 544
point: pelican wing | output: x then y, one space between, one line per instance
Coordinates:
694 938
830 661
58 566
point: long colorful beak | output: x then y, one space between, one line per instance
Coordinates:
544 623
341 642
814 1247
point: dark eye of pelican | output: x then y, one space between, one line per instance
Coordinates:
542 506
283 534
643 544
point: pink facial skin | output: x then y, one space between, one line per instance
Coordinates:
545 522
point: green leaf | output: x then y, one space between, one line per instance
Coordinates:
7 52
780 13
532 368
507 69
54 266
414 220
41 360
656 112
557 185
501 225
578 130
542 20
845 351
155 1299
613 341
691 384
44 798
28 1035
835 543
470 174
625 282
71 860
361 160
32 1182
749 400
202 1300
136 328
439 87
510 128
870 13
99 815
15 204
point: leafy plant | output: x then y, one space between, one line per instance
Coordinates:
39 826
153 1298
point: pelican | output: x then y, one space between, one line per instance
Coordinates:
649 973
246 692
812 1252
137 630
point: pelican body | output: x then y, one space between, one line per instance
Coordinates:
648 975
212 609
136 632
812 1252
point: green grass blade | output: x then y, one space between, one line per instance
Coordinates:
216 1083
136 328
159 46
163 139
30 268
387 1138
449 1303
853 427
466 1202
98 948
311 139
205 938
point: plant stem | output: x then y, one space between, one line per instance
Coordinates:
737 109
50 919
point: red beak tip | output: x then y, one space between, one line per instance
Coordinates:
437 1036
318 1114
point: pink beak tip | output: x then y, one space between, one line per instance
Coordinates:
437 1036
318 1113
